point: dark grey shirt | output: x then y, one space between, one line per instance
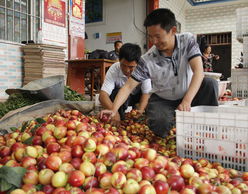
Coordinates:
113 55
170 76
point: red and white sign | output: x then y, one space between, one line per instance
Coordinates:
54 12
77 9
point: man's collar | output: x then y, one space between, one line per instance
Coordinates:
157 52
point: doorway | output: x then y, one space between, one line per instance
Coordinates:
221 44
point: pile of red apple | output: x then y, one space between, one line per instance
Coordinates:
228 97
74 153
136 128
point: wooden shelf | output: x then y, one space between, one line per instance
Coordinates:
218 38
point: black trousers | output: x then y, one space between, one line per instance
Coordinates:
161 112
131 101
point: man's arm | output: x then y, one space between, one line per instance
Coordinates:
143 102
108 104
105 100
121 97
197 68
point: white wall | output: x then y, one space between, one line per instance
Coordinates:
119 17
219 17
10 67
178 7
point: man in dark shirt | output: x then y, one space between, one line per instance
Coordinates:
114 55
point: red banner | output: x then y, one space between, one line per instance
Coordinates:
77 9
54 12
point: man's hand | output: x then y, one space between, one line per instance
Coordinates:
116 120
184 106
109 113
113 117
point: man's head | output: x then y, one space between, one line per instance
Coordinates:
129 56
118 44
161 28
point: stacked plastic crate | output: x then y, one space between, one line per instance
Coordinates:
239 77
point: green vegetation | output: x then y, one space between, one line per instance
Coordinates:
16 101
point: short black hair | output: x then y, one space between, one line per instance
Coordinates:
130 52
206 46
116 42
162 16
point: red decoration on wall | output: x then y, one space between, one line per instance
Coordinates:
77 9
54 12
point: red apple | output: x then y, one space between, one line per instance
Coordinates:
79 140
149 154
5 151
87 168
205 188
102 149
66 167
134 174
90 145
37 140
105 180
141 162
45 176
76 162
41 130
112 191
77 151
100 168
31 177
28 161
65 156
71 125
29 188
118 180
120 166
176 182
131 187
147 173
48 189
187 171
109 159
76 178
161 187
53 162
90 182
147 189
53 147
59 179
82 127
89 157
60 132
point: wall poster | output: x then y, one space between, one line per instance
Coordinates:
54 12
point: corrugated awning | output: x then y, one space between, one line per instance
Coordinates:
204 2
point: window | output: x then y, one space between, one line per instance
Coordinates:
19 20
93 11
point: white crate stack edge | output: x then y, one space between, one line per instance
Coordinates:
239 79
242 23
219 134
245 48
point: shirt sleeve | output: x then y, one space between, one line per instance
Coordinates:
141 72
193 49
109 82
146 86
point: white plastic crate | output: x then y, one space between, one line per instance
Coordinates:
241 23
239 79
245 49
219 134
